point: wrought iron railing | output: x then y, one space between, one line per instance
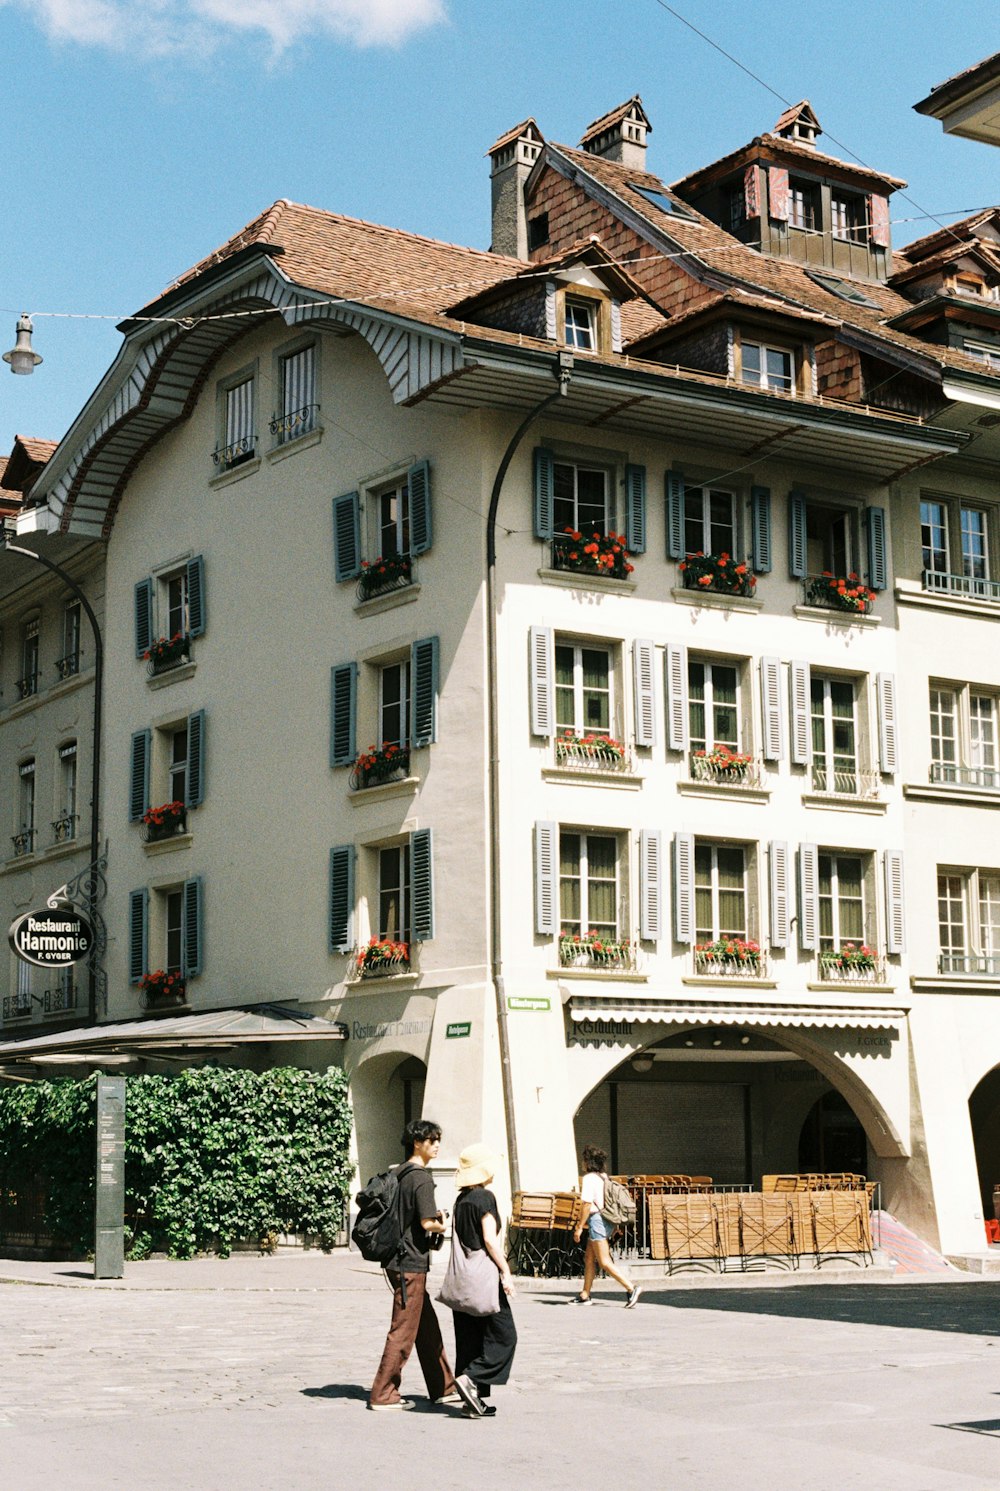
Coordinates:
379 767
171 825
24 842
387 960
68 666
607 560
158 996
64 828
604 956
747 965
593 755
949 774
286 427
973 586
27 685
835 593
381 576
851 968
739 771
970 963
16 1006
166 654
846 783
63 997
226 457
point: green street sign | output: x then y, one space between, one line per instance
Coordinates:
459 1029
521 1002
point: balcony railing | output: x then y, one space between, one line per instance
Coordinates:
16 1006
838 593
379 959
592 753
602 556
747 964
164 822
167 653
68 666
376 768
603 955
227 457
64 828
965 585
739 770
55 1001
949 774
860 784
851 968
970 963
383 575
23 842
27 685
286 427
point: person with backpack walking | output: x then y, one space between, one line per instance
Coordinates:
412 1217
594 1196
484 1343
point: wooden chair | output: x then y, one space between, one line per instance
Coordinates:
530 1232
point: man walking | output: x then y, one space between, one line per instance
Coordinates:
413 1319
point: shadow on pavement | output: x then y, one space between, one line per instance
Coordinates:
990 1427
337 1390
964 1309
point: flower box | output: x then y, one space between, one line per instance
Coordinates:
852 962
720 764
382 574
600 554
163 822
729 957
721 574
839 594
378 765
162 989
381 958
167 652
590 950
574 748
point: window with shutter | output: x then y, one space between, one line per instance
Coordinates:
143 617
645 701
779 893
347 536
195 759
546 906
770 701
544 493
424 675
650 890
196 608
541 667
683 879
799 689
138 934
138 797
760 530
676 679
885 687
895 929
192 927
343 714
341 907
673 482
422 884
635 509
808 897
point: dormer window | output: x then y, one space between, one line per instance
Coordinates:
803 208
581 324
847 218
969 284
767 367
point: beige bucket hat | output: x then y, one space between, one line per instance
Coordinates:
476 1166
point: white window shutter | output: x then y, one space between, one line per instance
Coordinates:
885 688
684 888
651 891
779 907
895 932
770 708
546 887
800 699
645 703
542 665
808 897
676 682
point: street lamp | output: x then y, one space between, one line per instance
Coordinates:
22 357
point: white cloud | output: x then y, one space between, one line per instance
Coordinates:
162 27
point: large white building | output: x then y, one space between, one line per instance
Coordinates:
674 826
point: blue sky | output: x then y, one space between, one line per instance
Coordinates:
146 132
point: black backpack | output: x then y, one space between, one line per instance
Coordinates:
380 1228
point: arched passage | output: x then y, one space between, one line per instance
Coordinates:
387 1091
726 1102
984 1112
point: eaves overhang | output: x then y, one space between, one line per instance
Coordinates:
674 405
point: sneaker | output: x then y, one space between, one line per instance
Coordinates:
448 1398
580 1299
489 1412
633 1298
469 1395
400 1405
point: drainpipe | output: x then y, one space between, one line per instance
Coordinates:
562 371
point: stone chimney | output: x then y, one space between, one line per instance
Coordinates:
620 135
511 160
799 124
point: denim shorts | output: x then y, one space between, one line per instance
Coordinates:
598 1228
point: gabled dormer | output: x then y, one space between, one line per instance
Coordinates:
784 197
953 278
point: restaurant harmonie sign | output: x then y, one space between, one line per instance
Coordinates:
54 937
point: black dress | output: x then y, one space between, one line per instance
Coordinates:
484 1344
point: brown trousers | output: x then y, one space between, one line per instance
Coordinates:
414 1323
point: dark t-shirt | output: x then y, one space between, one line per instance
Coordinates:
416 1197
472 1205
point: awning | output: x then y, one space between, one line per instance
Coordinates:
686 1012
175 1034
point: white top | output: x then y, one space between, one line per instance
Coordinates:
592 1190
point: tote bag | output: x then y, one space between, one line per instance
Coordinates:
471 1280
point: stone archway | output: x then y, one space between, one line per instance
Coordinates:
832 1137
984 1113
387 1091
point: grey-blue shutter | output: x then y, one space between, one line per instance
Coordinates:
545 494
421 522
424 683
341 910
635 509
138 787
196 760
673 483
422 884
760 530
192 926
196 596
878 568
796 535
138 934
347 536
143 617
546 886
343 713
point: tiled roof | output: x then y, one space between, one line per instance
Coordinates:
782 146
964 229
515 133
980 72
613 116
969 248
35 448
21 467
803 109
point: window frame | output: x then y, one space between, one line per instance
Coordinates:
929 549
584 924
805 194
402 888
703 845
763 379
615 690
825 757
710 663
608 468
69 784
225 463
708 491
852 209
970 880
597 306
27 796
285 431
404 703
964 739
867 900
31 633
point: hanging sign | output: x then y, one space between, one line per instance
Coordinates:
53 937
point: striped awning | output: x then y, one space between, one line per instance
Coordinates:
688 1012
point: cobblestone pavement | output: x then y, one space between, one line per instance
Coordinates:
189 1385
